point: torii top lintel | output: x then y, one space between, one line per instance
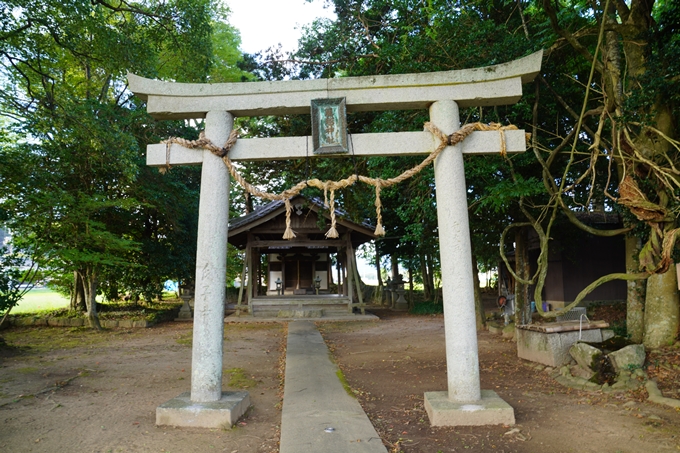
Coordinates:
491 85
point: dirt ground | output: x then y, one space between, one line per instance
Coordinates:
73 390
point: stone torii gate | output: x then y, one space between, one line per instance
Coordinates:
443 93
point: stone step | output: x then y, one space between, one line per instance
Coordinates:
296 312
302 301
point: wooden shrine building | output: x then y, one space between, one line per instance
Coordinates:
307 276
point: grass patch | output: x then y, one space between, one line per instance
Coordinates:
239 379
44 339
186 339
427 308
26 370
344 383
40 300
151 312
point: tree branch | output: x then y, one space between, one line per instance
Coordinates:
321 63
571 39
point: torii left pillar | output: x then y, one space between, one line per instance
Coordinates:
207 406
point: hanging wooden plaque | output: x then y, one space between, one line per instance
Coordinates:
329 126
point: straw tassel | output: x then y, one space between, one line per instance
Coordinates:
379 230
289 233
332 233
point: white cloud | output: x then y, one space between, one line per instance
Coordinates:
266 23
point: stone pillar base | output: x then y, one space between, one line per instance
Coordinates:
185 313
490 410
401 306
181 411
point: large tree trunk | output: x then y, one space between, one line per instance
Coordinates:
480 316
78 294
379 293
395 266
635 293
411 303
662 309
430 277
378 269
90 282
522 307
427 292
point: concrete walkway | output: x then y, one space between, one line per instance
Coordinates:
315 402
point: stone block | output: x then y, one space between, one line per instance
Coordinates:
607 334
490 410
495 328
76 322
141 323
181 411
585 355
299 313
579 371
109 323
509 332
551 349
125 323
630 357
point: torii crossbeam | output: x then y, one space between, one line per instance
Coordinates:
442 93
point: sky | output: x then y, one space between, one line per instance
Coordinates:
266 23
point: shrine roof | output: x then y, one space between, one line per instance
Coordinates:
238 227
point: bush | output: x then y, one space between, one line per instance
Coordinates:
427 308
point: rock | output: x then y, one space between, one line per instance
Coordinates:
586 356
620 385
640 373
629 358
633 384
494 328
591 386
581 372
509 331
607 334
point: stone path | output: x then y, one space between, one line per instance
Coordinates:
319 416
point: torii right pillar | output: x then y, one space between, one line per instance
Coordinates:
464 403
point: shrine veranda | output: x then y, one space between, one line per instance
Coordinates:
443 93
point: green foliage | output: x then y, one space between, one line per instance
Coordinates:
19 273
10 279
72 157
427 308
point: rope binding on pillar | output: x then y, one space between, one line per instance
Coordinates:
331 186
